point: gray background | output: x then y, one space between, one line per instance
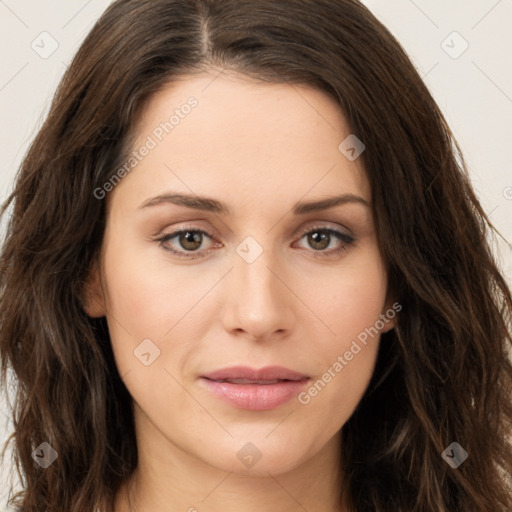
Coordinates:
473 88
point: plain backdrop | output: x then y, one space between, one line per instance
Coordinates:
461 48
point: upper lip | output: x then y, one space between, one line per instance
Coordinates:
269 373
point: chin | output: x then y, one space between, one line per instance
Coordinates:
260 456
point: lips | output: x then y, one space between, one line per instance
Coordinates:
253 376
249 381
255 389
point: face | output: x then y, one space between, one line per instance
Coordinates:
239 297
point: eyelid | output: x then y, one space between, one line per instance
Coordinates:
345 236
323 226
182 229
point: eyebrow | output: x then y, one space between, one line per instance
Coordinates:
212 205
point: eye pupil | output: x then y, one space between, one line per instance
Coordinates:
189 238
319 237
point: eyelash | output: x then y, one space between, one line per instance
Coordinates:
347 240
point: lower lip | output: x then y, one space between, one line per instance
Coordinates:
256 397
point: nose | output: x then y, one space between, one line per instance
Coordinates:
260 304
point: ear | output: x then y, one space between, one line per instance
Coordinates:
390 315
94 298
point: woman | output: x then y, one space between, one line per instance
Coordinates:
245 269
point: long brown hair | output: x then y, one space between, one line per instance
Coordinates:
443 374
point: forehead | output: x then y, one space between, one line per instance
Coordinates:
214 132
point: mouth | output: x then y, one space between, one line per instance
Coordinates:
252 381
253 389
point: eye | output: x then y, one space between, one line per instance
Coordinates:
320 238
189 240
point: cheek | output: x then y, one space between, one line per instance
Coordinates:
351 306
144 301
333 396
345 364
151 298
147 288
353 298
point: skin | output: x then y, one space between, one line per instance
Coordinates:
259 148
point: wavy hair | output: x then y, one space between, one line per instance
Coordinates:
443 374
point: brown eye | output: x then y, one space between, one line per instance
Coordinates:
185 243
190 240
319 240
